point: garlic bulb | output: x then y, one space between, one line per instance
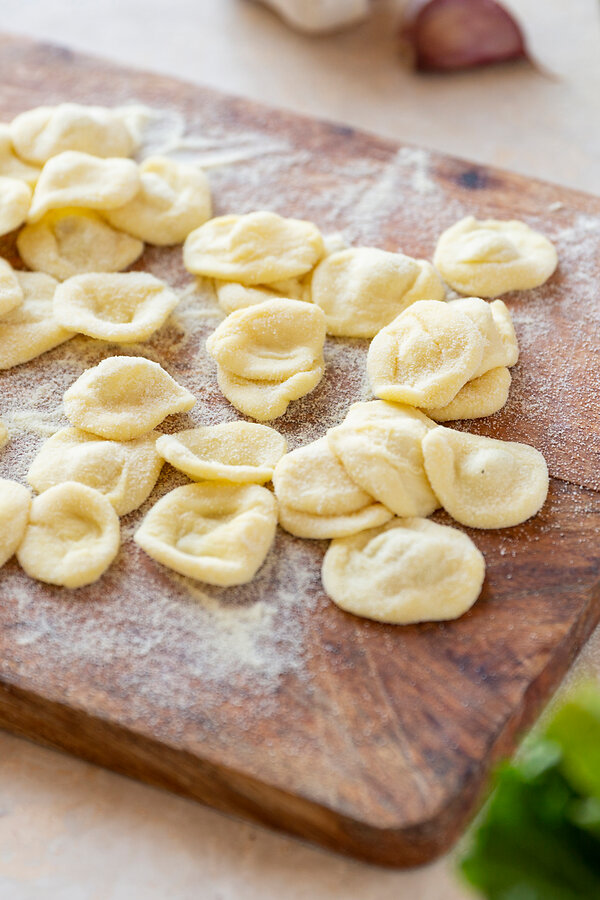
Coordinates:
320 16
442 35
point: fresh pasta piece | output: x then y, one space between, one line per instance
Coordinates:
15 501
214 532
125 472
385 458
233 296
334 242
369 411
10 164
480 397
15 199
484 483
270 341
79 179
300 288
311 479
266 400
320 528
173 200
425 355
317 498
480 313
123 308
31 329
68 242
362 289
46 131
3 435
257 248
292 288
124 397
506 330
72 536
491 257
11 292
408 571
242 452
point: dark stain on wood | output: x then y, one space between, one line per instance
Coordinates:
474 179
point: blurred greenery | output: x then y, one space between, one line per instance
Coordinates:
539 835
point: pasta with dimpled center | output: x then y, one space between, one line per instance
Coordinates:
173 200
270 341
124 397
123 471
312 480
425 355
241 452
382 453
484 483
491 257
232 295
78 179
362 289
123 308
408 571
317 497
266 400
257 248
216 532
269 354
68 242
72 536
38 134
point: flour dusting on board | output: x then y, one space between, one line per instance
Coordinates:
164 133
141 614
142 623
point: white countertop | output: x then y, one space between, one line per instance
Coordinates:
69 830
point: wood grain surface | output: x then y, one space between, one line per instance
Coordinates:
267 701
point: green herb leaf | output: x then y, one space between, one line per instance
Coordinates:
539 837
576 729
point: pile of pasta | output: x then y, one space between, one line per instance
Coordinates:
369 485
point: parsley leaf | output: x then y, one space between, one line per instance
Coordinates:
539 838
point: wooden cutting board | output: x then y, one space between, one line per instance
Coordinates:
267 701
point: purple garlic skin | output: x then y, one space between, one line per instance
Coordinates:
445 35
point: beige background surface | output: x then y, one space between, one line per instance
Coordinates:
69 830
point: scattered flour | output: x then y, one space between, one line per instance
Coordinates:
164 133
